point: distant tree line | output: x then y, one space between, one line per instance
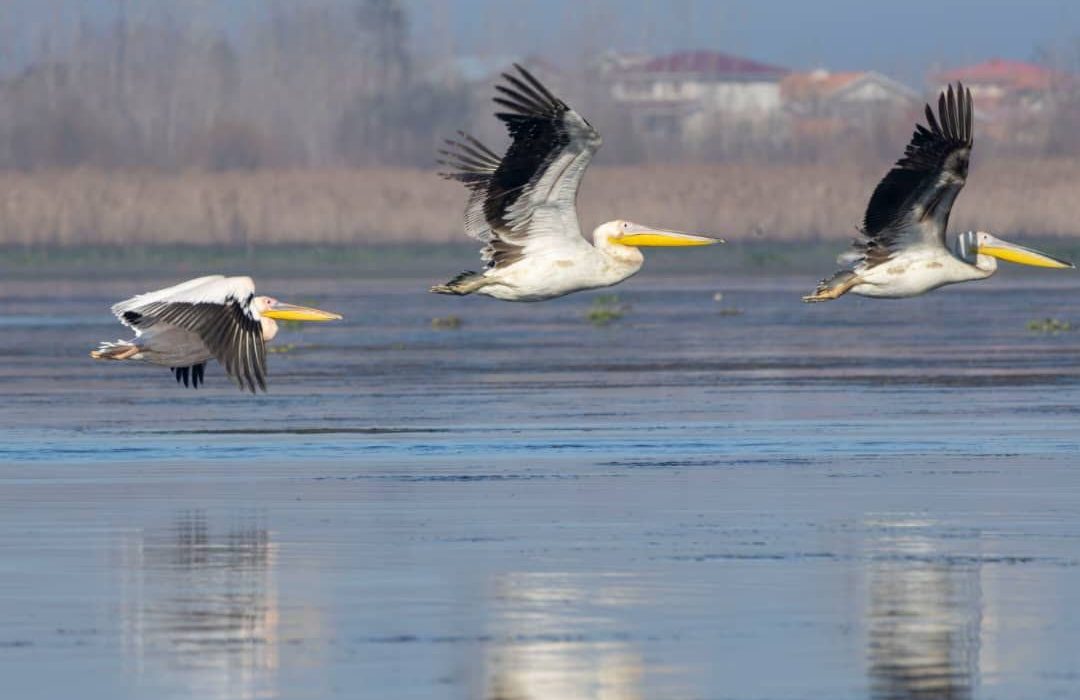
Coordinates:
327 84
335 83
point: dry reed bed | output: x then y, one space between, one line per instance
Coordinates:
739 201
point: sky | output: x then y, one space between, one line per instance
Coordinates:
903 38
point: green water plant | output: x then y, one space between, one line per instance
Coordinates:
281 349
446 323
605 310
1049 326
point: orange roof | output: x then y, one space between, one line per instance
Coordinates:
816 84
1013 74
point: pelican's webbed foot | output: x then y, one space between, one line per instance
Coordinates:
115 351
833 287
465 283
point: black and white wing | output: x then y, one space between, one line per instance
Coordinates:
528 197
911 205
219 311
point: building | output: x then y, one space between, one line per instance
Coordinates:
999 80
845 95
822 107
708 78
684 96
1014 100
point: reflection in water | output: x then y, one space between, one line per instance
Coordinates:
924 618
553 643
203 603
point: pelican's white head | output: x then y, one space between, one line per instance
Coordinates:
983 250
622 238
269 308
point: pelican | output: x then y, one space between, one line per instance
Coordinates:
903 250
522 206
184 326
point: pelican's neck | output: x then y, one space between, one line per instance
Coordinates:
626 257
986 265
269 328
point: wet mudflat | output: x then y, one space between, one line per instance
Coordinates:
745 498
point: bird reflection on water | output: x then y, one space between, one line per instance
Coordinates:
924 618
202 604
549 643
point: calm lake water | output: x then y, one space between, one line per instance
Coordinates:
747 498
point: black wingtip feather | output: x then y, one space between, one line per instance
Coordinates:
527 95
467 161
537 84
183 375
517 109
931 122
521 92
954 115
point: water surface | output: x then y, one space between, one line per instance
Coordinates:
746 498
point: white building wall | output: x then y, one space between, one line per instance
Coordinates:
737 97
744 97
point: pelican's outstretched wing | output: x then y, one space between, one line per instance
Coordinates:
219 311
529 194
911 205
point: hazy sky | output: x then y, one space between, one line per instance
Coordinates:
901 37
904 38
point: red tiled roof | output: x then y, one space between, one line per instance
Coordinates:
1014 74
816 84
711 63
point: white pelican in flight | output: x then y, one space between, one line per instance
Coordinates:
218 317
903 251
522 206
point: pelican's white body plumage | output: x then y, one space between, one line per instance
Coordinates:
550 269
916 271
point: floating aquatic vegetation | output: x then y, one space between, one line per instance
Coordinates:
281 349
605 310
1049 326
446 323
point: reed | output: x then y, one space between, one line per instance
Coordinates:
740 201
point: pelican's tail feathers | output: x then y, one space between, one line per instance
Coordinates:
465 283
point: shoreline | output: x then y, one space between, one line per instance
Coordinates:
419 259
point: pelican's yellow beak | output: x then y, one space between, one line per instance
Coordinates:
1010 252
291 312
632 234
